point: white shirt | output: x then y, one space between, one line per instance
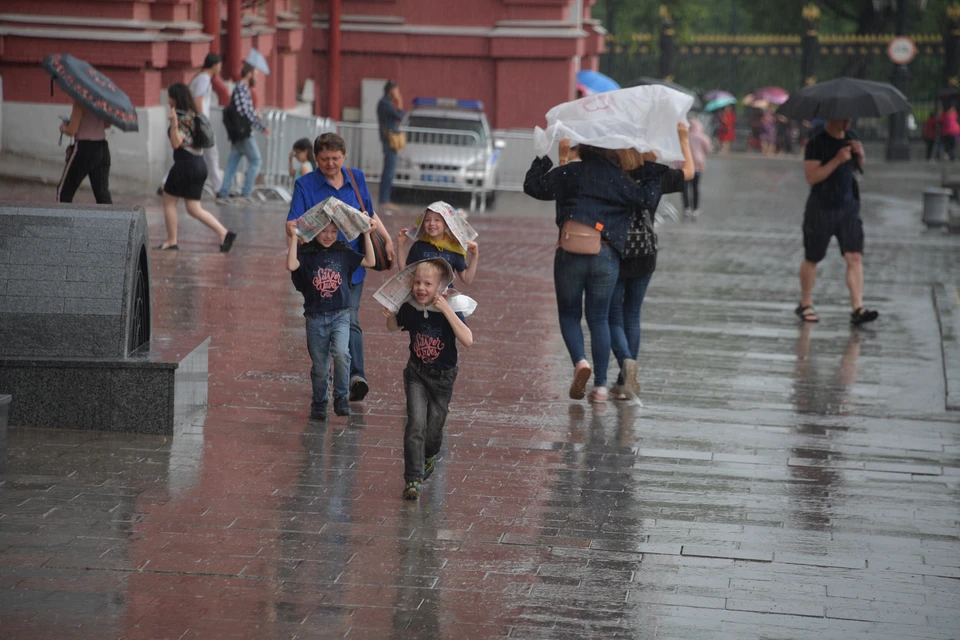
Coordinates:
201 87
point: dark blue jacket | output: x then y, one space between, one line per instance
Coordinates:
590 191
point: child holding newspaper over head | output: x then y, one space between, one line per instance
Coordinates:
321 269
441 233
435 328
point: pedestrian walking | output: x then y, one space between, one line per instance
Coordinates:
437 241
768 132
949 130
189 172
89 155
349 186
321 271
240 119
931 134
639 261
389 115
302 152
431 371
594 200
727 131
201 87
700 146
833 209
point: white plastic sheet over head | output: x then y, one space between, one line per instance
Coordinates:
643 118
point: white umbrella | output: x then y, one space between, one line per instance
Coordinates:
256 59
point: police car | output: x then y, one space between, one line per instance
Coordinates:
449 147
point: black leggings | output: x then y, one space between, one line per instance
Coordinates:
89 158
694 186
949 142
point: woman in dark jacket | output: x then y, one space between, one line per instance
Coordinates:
597 192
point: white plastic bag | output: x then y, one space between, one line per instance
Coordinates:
643 118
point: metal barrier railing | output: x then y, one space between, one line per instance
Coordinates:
285 129
441 159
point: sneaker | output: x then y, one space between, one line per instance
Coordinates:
630 382
358 388
696 214
319 412
428 467
598 395
224 199
411 491
581 374
341 406
688 213
618 392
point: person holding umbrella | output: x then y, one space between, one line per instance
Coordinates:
830 159
97 104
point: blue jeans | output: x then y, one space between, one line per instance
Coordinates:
247 149
386 176
625 318
329 333
356 334
574 275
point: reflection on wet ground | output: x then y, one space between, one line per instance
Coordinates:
782 481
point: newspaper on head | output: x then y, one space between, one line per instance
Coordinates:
351 222
397 289
456 221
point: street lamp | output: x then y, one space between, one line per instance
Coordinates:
898 147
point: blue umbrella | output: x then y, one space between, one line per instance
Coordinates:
591 82
719 103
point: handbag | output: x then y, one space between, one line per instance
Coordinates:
577 237
379 244
203 136
641 238
396 140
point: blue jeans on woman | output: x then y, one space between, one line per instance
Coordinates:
386 175
625 318
329 333
247 149
596 276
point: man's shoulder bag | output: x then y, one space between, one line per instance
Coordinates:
577 237
379 244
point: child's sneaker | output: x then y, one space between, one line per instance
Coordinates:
428 467
411 491
318 411
341 406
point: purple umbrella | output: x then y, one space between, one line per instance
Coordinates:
773 95
717 94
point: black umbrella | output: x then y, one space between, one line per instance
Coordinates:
95 91
645 80
843 99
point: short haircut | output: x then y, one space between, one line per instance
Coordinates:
211 61
247 68
329 142
431 265
388 86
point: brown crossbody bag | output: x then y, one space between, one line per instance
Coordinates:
577 237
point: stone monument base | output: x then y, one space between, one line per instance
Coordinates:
152 391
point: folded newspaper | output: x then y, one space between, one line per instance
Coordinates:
457 224
351 222
397 290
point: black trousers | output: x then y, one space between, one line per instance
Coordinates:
692 187
89 158
428 399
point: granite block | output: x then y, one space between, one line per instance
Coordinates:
93 306
27 272
153 392
25 305
94 274
946 298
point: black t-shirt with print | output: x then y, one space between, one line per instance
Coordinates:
432 341
324 276
840 187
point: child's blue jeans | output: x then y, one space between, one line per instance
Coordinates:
328 333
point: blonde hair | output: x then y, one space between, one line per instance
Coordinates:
431 265
629 159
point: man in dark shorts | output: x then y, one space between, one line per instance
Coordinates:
833 209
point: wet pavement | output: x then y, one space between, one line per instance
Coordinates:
781 481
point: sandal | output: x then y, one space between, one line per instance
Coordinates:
171 247
228 242
863 315
806 313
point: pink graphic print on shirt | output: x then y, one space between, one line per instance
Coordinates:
328 280
428 344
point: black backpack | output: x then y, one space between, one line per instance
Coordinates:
203 136
237 125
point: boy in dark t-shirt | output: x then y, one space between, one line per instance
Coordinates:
428 379
321 270
833 209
